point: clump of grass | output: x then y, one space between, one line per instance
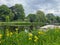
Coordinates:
36 37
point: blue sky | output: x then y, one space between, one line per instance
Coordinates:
31 6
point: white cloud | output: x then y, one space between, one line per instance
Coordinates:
31 6
11 2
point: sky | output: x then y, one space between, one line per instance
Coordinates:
31 6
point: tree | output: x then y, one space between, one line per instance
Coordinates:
18 12
41 16
58 19
51 18
32 17
5 12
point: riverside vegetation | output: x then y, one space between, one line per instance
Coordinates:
35 37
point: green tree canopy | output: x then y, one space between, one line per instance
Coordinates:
32 17
18 12
58 19
5 12
51 18
40 16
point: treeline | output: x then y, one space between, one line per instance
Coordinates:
16 13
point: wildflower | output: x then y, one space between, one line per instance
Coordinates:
35 40
16 29
30 38
0 42
11 33
35 37
30 34
8 34
0 36
40 32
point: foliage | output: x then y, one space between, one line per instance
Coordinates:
36 37
41 16
18 12
4 12
58 19
51 18
32 17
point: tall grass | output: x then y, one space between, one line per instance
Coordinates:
36 37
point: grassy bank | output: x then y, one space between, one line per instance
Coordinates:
36 37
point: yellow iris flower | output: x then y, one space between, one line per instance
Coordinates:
30 34
30 38
35 40
35 37
0 36
41 32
